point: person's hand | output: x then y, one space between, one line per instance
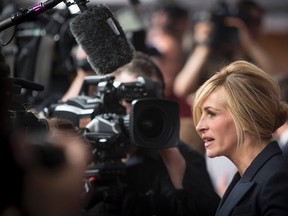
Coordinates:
175 164
202 32
81 62
80 53
245 38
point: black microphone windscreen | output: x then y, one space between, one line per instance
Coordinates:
102 38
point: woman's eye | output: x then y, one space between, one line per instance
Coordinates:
210 113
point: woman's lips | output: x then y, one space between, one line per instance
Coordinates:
208 142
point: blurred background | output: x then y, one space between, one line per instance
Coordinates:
29 60
276 19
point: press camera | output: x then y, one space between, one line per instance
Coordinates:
153 122
222 33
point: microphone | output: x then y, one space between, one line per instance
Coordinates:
102 38
23 14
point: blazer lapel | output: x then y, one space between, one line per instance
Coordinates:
240 189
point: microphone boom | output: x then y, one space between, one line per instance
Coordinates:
23 14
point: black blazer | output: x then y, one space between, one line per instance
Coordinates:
263 188
285 150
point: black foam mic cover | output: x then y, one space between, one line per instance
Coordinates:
102 38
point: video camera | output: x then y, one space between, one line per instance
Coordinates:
223 34
153 122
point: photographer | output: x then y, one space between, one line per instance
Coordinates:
221 35
166 181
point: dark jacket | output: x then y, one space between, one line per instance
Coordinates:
146 188
150 190
263 188
285 150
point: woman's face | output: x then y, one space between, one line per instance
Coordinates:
216 127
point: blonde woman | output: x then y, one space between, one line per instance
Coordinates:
236 112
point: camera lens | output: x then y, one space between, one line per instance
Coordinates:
151 124
154 123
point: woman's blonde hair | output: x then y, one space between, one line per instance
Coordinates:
250 95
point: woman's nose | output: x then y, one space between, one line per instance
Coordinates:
200 126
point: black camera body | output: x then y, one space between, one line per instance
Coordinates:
221 32
153 122
249 12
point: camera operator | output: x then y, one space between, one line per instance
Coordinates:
167 181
